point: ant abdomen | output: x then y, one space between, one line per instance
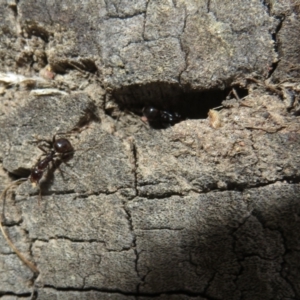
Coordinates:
151 113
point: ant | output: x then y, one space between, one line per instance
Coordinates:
58 148
161 118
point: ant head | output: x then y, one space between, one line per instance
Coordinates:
62 146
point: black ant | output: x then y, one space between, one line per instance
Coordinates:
58 148
161 118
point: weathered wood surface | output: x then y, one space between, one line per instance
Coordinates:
185 212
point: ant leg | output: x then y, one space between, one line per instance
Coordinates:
62 133
46 144
62 172
85 150
40 196
42 149
38 139
54 138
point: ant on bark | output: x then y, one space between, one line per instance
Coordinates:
59 150
160 118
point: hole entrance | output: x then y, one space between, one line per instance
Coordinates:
19 173
172 99
82 65
33 29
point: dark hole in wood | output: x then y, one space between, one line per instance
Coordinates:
33 29
82 65
190 104
19 173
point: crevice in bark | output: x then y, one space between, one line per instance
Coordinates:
141 294
14 7
276 45
135 168
208 6
34 29
69 239
70 192
125 17
185 51
143 280
189 104
80 241
145 19
11 224
131 227
162 228
268 5
250 255
162 196
231 186
25 295
34 295
210 282
45 192
234 241
19 174
282 271
84 65
285 276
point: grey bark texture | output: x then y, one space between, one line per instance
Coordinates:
185 212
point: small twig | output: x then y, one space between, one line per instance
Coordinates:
235 94
266 129
29 264
269 87
218 107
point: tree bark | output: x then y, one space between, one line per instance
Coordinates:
190 211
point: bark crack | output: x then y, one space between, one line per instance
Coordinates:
274 35
125 293
145 19
13 5
126 17
62 237
181 43
208 6
135 166
131 227
274 65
